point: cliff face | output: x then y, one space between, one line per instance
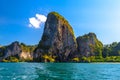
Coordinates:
89 45
15 50
58 39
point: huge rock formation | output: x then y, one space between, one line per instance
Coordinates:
57 41
89 45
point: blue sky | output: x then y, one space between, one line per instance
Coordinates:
99 16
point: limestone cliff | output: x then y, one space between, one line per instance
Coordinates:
58 40
16 50
89 45
13 49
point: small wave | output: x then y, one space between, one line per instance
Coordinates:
23 77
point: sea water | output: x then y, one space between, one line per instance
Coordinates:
59 71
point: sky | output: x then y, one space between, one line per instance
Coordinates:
23 20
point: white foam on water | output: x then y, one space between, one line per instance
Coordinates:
24 77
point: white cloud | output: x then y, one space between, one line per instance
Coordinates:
36 21
41 17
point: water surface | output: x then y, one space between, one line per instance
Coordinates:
59 71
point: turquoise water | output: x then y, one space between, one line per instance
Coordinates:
59 71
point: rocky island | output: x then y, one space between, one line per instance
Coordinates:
58 44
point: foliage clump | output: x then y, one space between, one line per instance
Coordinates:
27 48
76 59
48 58
11 59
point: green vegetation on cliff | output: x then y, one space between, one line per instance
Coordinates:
27 48
11 59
